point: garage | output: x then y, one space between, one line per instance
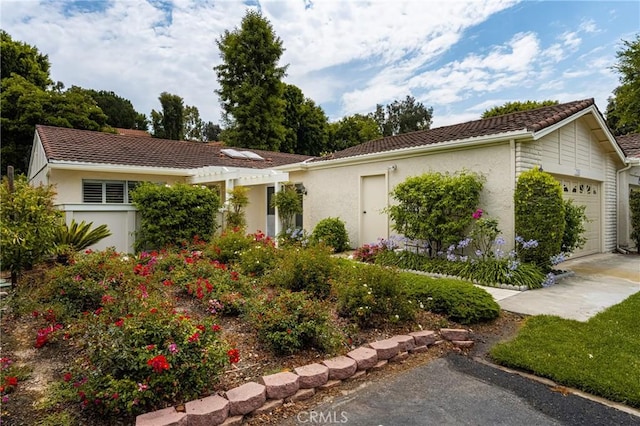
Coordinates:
586 193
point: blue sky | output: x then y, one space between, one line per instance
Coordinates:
458 56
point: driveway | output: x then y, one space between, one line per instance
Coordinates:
599 281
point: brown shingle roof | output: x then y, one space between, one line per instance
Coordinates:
86 146
132 132
532 120
630 145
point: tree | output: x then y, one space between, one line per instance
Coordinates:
193 126
24 60
623 109
211 132
29 224
250 84
352 130
169 124
306 124
119 111
288 201
402 117
517 106
23 105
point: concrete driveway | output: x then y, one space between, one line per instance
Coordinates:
599 281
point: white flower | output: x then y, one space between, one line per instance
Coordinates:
124 258
590 356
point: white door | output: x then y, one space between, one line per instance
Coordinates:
586 193
374 222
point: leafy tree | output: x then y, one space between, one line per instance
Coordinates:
29 224
436 208
517 106
289 203
623 109
402 117
193 126
211 132
23 105
119 111
306 124
141 122
539 216
574 219
352 130
169 124
24 60
238 199
250 84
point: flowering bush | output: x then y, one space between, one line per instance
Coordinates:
368 253
259 257
10 377
227 247
372 295
307 269
289 322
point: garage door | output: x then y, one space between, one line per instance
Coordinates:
586 193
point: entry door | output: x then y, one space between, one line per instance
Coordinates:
586 193
374 222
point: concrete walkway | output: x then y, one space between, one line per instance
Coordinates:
599 281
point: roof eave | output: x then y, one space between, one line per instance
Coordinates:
118 168
418 150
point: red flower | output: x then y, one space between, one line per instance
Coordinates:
151 347
67 377
201 327
153 310
234 355
98 311
107 299
167 283
234 276
159 363
11 381
119 322
194 337
216 327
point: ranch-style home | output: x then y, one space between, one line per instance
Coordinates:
94 171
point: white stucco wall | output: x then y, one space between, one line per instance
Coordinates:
334 191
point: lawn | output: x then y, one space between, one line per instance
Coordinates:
600 356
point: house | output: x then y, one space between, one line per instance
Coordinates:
628 179
93 171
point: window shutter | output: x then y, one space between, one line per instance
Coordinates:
114 192
92 192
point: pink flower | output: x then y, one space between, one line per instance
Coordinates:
477 214
142 387
173 348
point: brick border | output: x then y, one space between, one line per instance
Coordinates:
255 398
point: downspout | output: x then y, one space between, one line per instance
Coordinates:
630 163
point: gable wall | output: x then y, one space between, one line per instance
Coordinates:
38 163
335 192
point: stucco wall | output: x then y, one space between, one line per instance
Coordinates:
335 191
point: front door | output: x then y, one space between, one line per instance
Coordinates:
374 222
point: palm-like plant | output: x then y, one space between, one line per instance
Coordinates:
79 236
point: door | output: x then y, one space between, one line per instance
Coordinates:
374 222
586 193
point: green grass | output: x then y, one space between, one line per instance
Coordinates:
600 356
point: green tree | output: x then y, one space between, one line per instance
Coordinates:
517 106
119 111
539 216
211 132
352 130
288 201
23 105
169 124
238 199
436 208
29 224
250 84
306 124
402 117
193 126
24 60
623 109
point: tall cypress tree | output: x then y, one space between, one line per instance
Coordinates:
250 84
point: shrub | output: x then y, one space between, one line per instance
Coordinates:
228 246
460 301
288 201
29 222
290 322
331 232
79 236
238 200
170 215
259 257
303 269
634 206
435 207
574 219
539 216
371 295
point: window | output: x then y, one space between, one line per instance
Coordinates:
108 191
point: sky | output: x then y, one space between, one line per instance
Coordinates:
459 57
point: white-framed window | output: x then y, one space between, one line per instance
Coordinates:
107 191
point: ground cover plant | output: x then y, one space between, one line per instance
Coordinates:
600 356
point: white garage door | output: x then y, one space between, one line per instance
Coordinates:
586 193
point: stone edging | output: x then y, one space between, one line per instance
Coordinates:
274 390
